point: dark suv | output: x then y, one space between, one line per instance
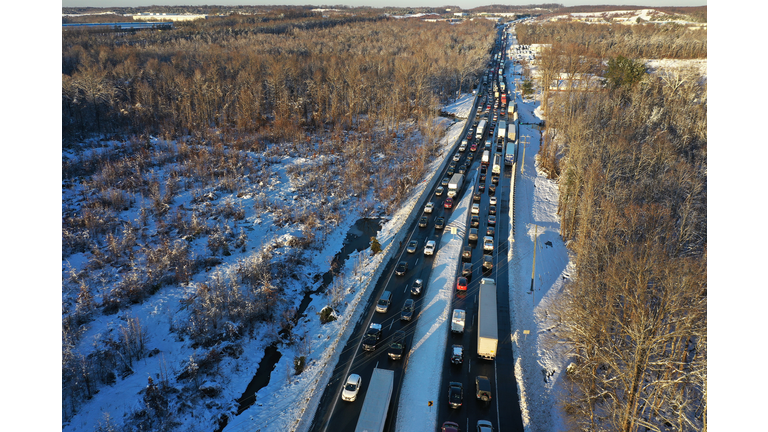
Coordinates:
455 394
401 268
483 388
466 254
397 347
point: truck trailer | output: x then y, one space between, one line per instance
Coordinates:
496 167
480 130
487 327
373 415
455 184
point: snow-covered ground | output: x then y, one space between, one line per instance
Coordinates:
282 404
288 401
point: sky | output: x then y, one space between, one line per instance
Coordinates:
376 3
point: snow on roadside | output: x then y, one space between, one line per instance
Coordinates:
291 405
421 383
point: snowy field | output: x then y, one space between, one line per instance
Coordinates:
288 401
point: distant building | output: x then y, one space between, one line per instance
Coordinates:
460 14
149 16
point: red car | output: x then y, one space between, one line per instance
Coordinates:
448 203
461 283
473 147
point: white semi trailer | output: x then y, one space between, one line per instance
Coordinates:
487 326
373 415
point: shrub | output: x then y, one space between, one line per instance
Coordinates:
326 315
375 246
299 363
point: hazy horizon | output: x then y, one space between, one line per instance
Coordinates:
377 4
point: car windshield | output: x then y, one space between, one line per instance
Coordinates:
350 386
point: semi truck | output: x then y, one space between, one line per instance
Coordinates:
501 133
509 155
487 327
511 108
480 130
455 184
373 415
496 168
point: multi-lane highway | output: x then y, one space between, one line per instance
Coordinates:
503 411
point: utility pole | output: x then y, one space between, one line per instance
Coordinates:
533 271
525 144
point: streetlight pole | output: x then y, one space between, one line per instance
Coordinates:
533 271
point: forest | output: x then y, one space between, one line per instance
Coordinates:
631 164
199 115
207 108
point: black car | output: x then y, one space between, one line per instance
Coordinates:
492 210
472 234
450 171
466 254
397 347
466 270
407 313
482 178
457 355
416 287
455 394
491 189
401 268
440 223
490 231
463 169
372 336
487 262
483 388
423 222
481 187
477 196
495 179
474 221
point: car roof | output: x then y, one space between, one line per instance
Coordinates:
353 377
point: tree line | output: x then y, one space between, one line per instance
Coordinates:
632 41
235 73
631 162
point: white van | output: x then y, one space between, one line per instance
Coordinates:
457 321
384 301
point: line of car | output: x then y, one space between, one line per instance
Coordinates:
397 345
482 383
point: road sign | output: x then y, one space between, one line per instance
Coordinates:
430 403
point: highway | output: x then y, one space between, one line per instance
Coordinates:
333 414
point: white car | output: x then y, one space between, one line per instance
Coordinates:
429 207
488 243
351 388
456 157
429 248
475 208
493 200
